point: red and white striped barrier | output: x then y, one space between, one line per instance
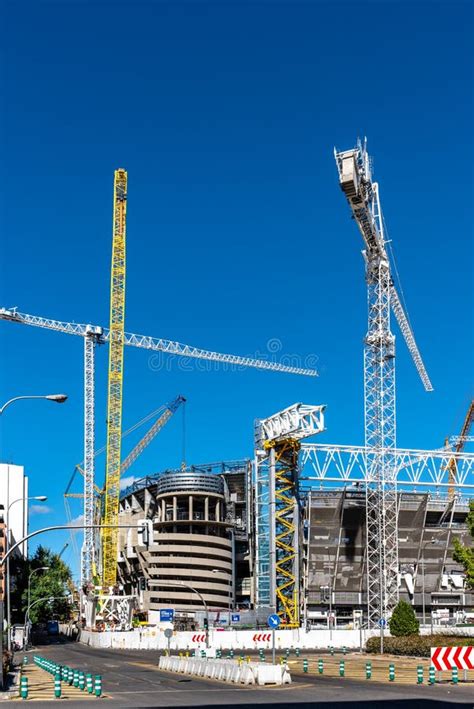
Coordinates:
199 638
445 658
262 637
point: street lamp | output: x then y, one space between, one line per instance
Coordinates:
194 590
58 398
423 546
37 498
229 596
49 599
41 568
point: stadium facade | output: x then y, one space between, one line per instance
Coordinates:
203 548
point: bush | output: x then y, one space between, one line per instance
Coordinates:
415 645
403 621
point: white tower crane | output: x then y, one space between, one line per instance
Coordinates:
379 383
93 335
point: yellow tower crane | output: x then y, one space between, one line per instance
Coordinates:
115 383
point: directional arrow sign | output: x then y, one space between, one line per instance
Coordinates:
445 658
273 620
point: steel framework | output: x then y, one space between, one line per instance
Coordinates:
277 506
99 335
156 344
88 558
115 383
415 469
379 383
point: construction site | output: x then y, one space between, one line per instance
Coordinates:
324 536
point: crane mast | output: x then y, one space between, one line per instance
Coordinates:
379 384
459 443
115 382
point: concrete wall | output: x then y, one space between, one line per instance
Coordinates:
153 638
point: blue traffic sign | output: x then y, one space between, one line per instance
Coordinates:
273 621
166 615
382 622
236 617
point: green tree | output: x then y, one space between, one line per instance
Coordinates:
465 554
54 582
403 621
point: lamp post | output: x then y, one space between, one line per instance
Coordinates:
423 546
38 498
229 596
194 590
50 599
58 399
41 568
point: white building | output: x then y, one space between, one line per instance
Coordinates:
13 497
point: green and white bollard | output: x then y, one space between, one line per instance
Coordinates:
218 654
287 653
331 650
70 675
344 650
89 683
25 660
305 665
75 679
341 668
320 667
231 653
297 652
391 673
454 675
419 674
431 675
82 680
98 686
57 686
368 670
203 653
24 687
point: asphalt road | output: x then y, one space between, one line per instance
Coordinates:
131 679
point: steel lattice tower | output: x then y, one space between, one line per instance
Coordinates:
115 382
379 384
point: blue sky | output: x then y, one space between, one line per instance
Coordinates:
225 116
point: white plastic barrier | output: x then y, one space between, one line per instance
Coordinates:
228 670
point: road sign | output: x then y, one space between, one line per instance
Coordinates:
166 615
168 633
445 658
383 623
236 617
273 621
